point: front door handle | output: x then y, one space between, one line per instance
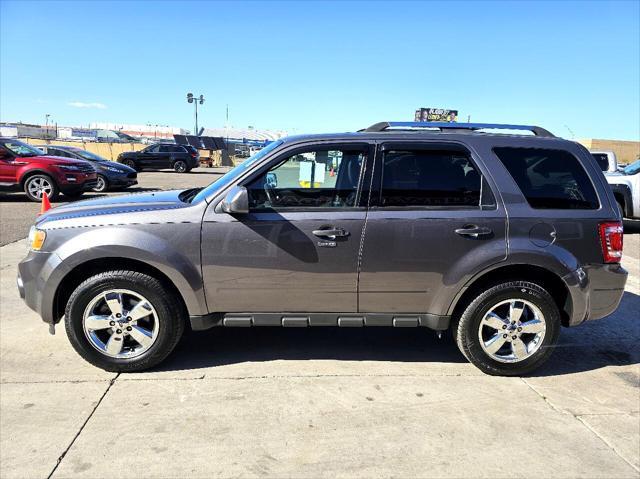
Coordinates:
473 231
330 232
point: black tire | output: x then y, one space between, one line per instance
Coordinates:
73 194
130 164
171 319
180 166
467 336
102 186
40 178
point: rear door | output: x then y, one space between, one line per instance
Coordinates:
433 222
8 167
297 249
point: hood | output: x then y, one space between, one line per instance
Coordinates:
114 164
111 205
128 153
53 160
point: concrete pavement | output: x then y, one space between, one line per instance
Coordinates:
318 403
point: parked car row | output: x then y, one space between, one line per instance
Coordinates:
70 170
110 173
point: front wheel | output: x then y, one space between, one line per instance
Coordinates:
510 329
124 321
130 164
102 185
38 185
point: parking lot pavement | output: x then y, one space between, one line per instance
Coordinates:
315 402
17 213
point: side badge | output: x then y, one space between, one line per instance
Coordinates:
327 244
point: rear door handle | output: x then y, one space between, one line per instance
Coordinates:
331 232
473 231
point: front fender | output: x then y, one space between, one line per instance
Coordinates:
182 267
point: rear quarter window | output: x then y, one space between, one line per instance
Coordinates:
549 179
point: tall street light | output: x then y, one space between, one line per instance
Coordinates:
195 101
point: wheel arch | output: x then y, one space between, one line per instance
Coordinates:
36 171
89 268
546 278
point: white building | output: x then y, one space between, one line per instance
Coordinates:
149 130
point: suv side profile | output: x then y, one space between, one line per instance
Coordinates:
180 158
23 167
501 238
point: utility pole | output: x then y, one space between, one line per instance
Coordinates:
195 101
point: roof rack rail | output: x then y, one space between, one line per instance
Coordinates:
385 125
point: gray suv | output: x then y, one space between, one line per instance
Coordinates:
500 238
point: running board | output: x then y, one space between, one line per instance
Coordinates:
298 320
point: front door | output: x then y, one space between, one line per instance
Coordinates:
297 249
8 167
433 222
149 157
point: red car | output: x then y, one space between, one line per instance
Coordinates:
23 167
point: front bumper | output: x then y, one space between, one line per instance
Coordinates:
595 290
33 283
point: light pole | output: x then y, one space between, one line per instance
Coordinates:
195 101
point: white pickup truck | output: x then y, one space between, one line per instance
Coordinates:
626 188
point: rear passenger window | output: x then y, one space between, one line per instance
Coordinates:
549 179
429 178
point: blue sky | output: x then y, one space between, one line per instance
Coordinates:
326 66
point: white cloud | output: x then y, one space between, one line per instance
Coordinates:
81 104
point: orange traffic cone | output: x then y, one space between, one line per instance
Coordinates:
46 204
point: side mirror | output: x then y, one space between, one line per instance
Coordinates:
236 201
271 180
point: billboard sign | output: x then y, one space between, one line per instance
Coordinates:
436 114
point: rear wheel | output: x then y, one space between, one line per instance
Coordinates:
102 185
124 321
180 166
510 329
40 184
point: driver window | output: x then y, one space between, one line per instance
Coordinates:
319 178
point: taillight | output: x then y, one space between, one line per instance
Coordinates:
611 241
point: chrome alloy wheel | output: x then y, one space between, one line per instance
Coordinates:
101 185
38 186
512 330
120 323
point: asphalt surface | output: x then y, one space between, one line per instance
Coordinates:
17 214
319 402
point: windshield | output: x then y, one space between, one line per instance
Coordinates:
632 169
21 149
87 155
236 172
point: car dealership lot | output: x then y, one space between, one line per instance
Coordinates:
313 402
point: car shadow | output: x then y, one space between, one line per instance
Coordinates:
594 345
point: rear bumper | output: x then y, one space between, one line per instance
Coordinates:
595 290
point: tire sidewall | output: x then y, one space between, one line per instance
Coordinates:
105 183
180 166
167 318
468 328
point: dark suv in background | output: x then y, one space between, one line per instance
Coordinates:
24 167
181 158
111 175
501 238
